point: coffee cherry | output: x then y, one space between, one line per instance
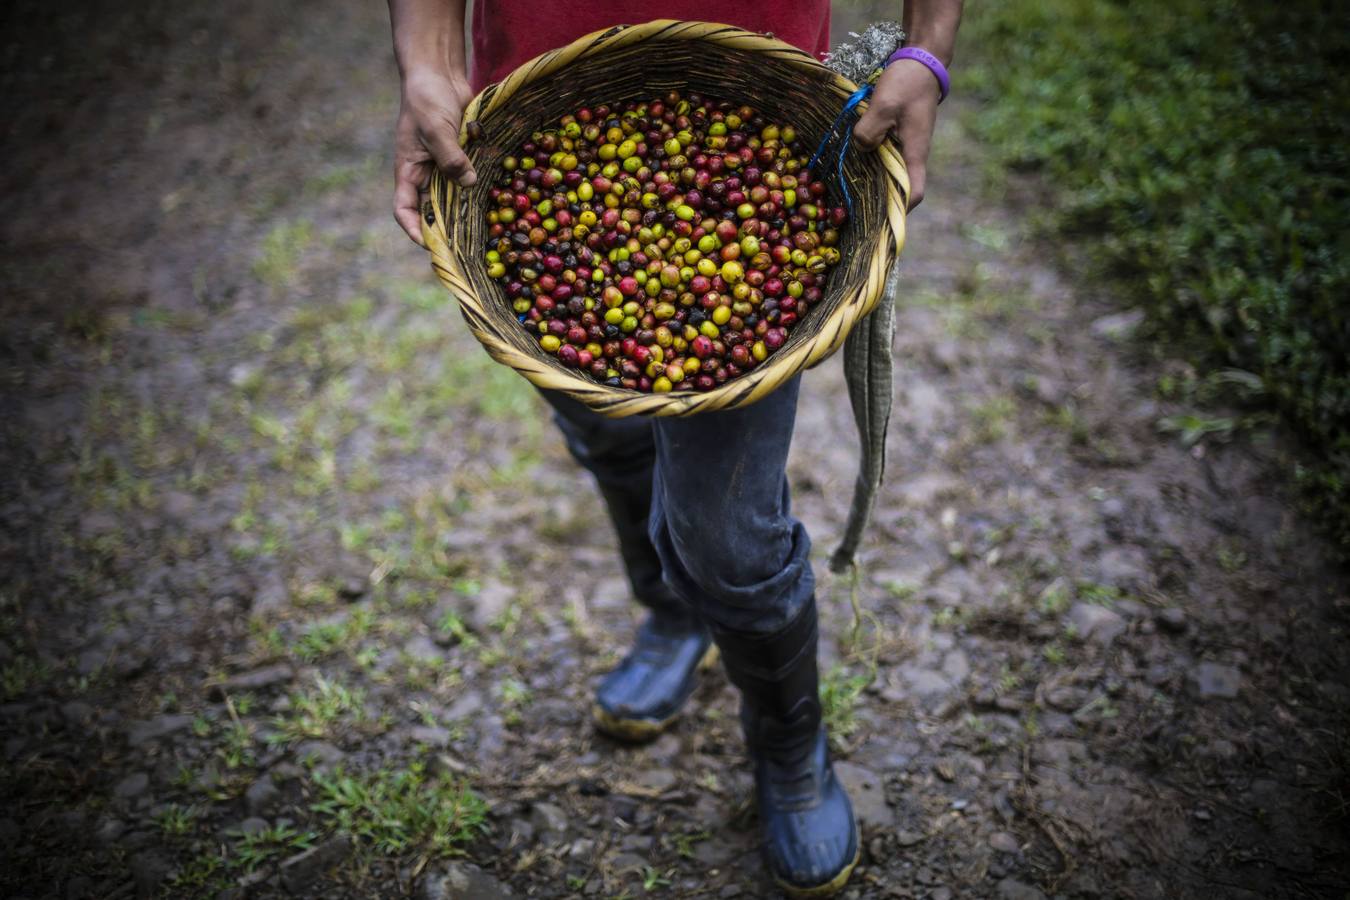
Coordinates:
663 245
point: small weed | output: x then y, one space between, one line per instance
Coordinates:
1193 429
420 673
366 657
514 695
1099 594
1067 418
19 674
326 638
901 590
992 418
508 621
948 617
403 811
271 642
453 625
315 713
514 692
236 751
840 693
176 820
1054 599
653 878
425 714
491 655
993 237
1230 555
425 296
355 535
1054 653
337 178
281 251
262 847
684 842
1101 706
204 873
219 785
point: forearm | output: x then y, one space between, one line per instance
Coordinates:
932 25
429 36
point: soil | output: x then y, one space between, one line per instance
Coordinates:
270 515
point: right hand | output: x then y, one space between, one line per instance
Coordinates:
904 104
427 135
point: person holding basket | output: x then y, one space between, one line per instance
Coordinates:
708 541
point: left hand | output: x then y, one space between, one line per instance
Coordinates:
905 104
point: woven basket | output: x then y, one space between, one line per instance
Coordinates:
639 62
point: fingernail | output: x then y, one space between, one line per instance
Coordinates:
468 179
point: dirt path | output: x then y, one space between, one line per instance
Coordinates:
288 559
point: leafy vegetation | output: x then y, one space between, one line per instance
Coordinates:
402 811
281 251
1205 149
317 713
270 845
840 695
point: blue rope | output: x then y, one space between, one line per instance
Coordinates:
840 130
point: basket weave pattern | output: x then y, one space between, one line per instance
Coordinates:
640 62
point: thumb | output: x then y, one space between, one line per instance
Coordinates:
449 155
872 128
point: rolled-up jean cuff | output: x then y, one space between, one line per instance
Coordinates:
761 607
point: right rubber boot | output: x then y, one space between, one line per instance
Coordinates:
810 837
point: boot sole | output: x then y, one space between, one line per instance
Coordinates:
638 731
830 887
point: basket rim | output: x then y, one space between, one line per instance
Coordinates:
750 386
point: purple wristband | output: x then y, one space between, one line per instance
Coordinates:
932 62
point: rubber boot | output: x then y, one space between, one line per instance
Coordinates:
806 818
642 696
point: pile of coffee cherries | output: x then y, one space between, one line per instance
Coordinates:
659 246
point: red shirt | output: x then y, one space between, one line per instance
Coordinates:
507 33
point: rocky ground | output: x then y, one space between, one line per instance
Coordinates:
303 596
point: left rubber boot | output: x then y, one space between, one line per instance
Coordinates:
806 819
642 696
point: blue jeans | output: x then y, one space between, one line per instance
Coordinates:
719 532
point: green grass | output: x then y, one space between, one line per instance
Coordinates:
400 812
336 179
19 675
281 251
1201 153
454 626
1054 598
323 639
318 713
269 845
1100 594
176 820
236 746
840 694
